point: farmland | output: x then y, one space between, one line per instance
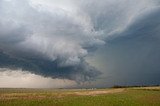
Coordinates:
138 96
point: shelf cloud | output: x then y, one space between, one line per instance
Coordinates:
53 38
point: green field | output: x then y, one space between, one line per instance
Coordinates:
145 96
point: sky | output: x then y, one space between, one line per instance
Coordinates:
79 43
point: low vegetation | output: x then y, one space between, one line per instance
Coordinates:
132 96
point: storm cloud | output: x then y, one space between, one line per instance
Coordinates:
132 56
53 38
46 39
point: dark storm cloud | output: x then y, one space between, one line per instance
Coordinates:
80 73
52 38
46 40
133 57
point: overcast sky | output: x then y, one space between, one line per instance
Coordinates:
79 43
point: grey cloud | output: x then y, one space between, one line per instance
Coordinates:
50 31
114 16
133 57
52 38
50 43
80 73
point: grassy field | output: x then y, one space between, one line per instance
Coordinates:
145 96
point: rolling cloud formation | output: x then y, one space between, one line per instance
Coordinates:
52 38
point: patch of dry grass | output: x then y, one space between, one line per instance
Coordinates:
139 96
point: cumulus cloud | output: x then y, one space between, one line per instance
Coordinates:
52 38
